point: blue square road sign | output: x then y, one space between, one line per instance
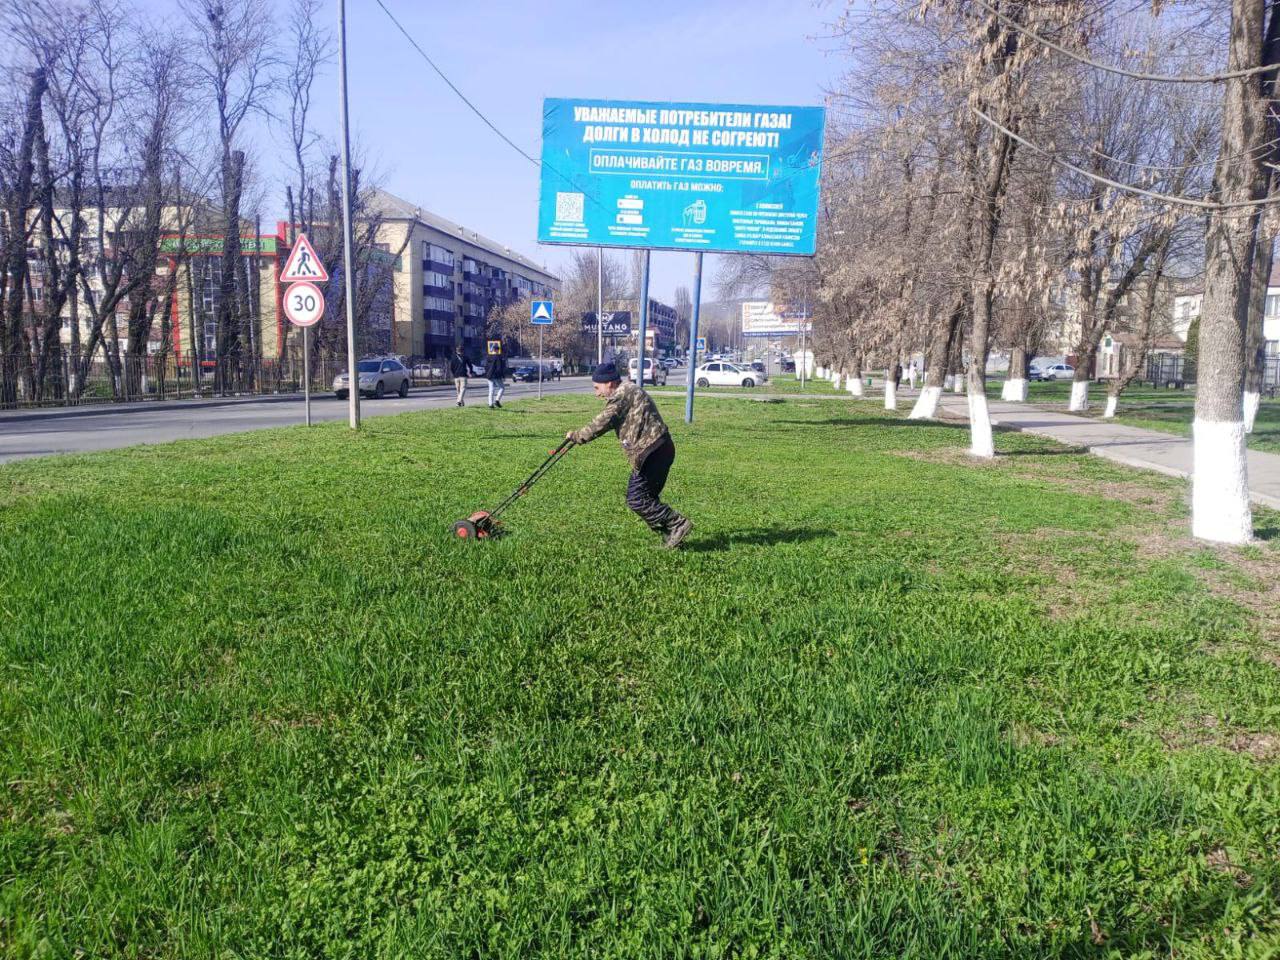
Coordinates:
542 311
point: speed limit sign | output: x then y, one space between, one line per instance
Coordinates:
303 304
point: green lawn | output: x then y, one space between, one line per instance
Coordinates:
889 702
1168 410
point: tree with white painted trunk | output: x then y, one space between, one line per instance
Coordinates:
1220 508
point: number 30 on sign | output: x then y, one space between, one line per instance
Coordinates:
303 304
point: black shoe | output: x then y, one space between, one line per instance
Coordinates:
498 404
459 403
679 530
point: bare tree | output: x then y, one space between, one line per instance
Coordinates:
234 59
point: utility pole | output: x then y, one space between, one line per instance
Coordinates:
348 267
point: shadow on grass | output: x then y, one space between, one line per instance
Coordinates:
1063 452
760 536
1266 533
878 422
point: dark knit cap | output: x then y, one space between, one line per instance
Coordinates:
606 373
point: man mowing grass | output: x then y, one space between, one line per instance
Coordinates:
647 444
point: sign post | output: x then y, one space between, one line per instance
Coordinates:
304 306
541 314
304 303
694 339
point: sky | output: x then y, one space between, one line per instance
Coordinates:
507 56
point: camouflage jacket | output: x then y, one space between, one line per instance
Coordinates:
632 413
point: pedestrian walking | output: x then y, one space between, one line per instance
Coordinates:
495 370
646 443
897 374
458 369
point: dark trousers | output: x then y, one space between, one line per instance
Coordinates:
645 488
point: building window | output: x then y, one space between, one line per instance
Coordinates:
440 255
1273 304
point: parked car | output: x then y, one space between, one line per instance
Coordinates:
430 370
758 366
654 372
1058 371
788 365
376 378
721 374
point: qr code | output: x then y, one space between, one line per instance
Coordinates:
569 207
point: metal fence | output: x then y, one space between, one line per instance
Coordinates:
63 383
1169 370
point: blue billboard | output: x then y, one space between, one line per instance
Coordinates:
723 178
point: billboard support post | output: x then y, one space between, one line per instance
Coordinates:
804 356
644 319
599 304
693 335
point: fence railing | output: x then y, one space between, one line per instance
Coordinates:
1169 370
61 382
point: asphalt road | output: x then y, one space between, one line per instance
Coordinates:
38 433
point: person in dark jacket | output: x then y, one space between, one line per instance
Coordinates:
897 374
458 369
647 444
495 370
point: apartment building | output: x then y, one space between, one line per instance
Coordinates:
448 279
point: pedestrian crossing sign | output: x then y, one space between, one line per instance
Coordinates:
541 311
303 264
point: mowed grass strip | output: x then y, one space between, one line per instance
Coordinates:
888 703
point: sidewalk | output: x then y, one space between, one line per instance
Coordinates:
1133 446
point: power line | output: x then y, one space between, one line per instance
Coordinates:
1166 198
454 87
480 113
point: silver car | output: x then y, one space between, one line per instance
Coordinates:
377 378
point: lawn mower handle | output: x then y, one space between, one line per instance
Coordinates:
552 458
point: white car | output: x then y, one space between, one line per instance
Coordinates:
721 374
1059 371
654 372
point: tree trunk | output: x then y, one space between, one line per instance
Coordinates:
1015 384
19 197
854 381
981 441
1255 342
939 352
1220 508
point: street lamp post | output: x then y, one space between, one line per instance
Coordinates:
348 267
